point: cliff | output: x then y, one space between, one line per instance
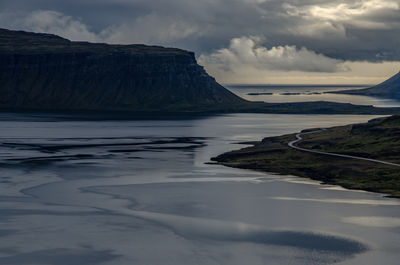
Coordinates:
47 72
387 89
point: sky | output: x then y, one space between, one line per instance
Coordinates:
237 41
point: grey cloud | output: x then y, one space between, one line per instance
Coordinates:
345 30
57 23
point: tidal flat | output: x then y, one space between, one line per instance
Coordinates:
141 192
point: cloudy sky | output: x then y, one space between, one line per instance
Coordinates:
238 41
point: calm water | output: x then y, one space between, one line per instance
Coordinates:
139 192
278 94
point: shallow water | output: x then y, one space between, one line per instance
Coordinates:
280 94
139 192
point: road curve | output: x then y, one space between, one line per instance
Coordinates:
292 144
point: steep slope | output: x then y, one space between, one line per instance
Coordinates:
44 72
47 72
388 89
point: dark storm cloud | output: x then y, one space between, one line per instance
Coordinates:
344 30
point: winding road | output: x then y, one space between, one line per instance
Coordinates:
293 143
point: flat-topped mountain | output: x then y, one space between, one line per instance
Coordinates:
47 72
44 72
387 89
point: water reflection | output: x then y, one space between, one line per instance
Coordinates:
279 94
139 192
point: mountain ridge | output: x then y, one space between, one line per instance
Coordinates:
389 88
47 73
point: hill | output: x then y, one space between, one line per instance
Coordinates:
387 89
379 139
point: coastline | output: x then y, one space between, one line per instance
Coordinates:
274 154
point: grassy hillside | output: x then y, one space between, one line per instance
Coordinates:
377 139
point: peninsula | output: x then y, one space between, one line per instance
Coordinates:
359 156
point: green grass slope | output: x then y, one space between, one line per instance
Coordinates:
377 139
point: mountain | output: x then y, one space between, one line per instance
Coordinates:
387 89
47 72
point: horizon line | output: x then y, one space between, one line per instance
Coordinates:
299 85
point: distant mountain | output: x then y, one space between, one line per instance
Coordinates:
47 72
387 89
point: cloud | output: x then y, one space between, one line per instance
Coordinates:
359 14
346 30
343 11
147 29
332 31
246 52
151 29
57 23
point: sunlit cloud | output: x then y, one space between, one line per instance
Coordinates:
248 52
296 41
354 13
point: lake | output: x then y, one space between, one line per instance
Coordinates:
81 191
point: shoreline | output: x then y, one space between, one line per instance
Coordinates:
349 169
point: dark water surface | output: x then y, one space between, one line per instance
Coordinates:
139 192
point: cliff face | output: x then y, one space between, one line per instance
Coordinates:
387 89
46 72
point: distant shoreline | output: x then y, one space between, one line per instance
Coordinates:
311 107
293 85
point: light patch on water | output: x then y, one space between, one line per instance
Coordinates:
218 179
373 221
339 188
219 230
209 176
298 180
346 201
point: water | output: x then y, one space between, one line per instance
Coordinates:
139 192
306 93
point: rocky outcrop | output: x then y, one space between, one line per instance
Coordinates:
47 72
